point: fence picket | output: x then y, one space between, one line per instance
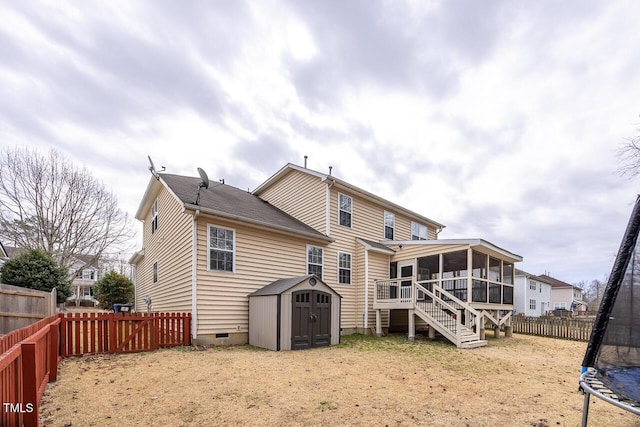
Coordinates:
564 328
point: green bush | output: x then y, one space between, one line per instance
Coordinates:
114 288
35 269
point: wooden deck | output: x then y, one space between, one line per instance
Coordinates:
457 320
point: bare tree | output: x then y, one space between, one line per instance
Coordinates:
629 157
47 203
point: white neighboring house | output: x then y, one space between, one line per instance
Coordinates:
3 254
84 273
532 294
564 295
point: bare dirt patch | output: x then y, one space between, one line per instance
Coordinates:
521 381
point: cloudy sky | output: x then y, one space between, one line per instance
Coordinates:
499 119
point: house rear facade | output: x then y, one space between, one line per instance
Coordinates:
206 249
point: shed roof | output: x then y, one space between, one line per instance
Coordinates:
283 285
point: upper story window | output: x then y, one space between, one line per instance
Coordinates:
154 217
344 268
418 231
221 248
389 225
314 260
88 274
345 205
532 285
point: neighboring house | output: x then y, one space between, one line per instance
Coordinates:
564 295
84 275
3 254
382 259
532 294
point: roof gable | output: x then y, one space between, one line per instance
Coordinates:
340 184
283 285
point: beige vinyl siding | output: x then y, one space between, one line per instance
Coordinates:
378 270
170 247
260 258
302 196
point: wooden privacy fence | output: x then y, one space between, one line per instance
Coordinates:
20 307
95 333
29 356
554 327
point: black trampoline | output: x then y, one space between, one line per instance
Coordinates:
611 366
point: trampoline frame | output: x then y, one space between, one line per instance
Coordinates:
591 385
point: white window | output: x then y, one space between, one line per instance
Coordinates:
344 210
155 272
314 261
560 305
221 248
88 274
344 268
418 231
532 304
532 285
154 217
389 225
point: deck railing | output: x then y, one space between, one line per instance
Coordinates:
482 291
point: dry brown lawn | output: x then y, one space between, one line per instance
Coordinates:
520 381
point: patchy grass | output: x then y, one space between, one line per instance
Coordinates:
522 381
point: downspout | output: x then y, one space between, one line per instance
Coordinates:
194 276
328 207
366 290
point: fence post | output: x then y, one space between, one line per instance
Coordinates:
30 385
63 335
54 343
112 333
187 329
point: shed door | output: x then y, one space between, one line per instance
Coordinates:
310 319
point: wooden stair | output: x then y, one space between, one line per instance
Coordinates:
442 316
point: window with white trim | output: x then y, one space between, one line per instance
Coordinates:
532 285
560 305
155 272
389 225
221 248
345 208
532 304
344 268
314 260
418 231
88 274
154 217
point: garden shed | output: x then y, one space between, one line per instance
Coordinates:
293 314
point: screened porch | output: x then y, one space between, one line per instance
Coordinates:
482 280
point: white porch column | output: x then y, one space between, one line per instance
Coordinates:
469 276
412 325
378 323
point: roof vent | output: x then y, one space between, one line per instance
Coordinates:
305 161
330 167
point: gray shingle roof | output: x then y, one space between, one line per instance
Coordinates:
235 203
